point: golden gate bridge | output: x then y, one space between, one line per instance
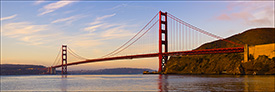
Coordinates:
164 35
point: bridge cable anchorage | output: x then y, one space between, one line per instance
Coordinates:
200 30
75 55
135 40
131 38
57 57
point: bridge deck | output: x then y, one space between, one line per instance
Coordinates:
192 52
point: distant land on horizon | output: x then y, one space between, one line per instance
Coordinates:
22 69
112 71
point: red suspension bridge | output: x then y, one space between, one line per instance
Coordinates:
163 36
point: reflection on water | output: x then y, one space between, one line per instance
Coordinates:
216 83
259 83
138 83
162 83
64 83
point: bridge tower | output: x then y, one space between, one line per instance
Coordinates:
64 59
163 41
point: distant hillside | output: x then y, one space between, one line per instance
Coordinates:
251 37
112 71
227 63
16 69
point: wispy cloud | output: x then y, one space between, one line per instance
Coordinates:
38 2
20 28
28 33
24 31
223 17
37 39
252 13
95 22
93 28
107 30
9 17
54 6
68 19
84 40
119 6
110 31
98 23
105 16
116 32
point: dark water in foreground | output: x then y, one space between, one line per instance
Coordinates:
137 83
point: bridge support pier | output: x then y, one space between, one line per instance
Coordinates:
163 42
246 53
51 70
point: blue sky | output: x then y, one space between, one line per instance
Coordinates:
33 31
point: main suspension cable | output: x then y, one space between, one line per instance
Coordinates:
131 38
56 58
200 30
135 40
75 55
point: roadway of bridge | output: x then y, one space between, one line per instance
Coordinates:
192 52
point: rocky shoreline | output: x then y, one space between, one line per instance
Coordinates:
217 64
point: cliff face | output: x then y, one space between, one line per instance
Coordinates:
206 64
220 64
261 65
231 63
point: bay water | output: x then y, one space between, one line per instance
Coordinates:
138 82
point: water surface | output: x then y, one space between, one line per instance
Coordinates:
137 83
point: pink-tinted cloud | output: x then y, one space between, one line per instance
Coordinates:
251 13
38 2
223 17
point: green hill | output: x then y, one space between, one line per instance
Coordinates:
227 63
250 37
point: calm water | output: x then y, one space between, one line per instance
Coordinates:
137 83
